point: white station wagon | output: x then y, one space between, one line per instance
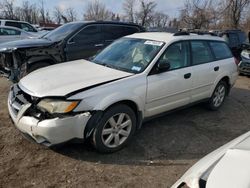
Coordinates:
107 99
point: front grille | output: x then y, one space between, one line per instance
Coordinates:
18 98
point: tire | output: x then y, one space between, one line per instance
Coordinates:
36 66
115 129
218 97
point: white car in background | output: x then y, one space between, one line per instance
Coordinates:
20 25
136 77
8 34
226 167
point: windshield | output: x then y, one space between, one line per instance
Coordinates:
129 54
62 31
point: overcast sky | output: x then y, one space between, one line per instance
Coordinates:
170 7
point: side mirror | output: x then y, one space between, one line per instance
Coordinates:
163 66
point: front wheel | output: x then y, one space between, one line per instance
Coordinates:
115 129
218 97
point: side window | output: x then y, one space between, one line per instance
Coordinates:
220 50
177 55
88 35
27 27
13 24
200 52
6 31
113 32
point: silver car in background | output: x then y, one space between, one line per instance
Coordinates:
8 34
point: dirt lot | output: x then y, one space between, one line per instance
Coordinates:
160 153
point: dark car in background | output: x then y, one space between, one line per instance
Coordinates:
235 40
72 41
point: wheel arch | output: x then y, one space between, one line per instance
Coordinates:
224 78
97 115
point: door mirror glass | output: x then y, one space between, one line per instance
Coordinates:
163 66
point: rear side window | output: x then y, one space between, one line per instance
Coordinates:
201 52
112 32
8 32
220 50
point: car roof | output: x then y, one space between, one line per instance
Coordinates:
108 22
170 37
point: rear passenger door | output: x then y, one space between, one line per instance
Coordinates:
85 43
112 32
203 70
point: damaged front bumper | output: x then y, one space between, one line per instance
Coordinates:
49 131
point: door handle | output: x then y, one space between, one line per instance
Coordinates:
99 45
187 76
216 68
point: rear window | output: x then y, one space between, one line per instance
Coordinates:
220 50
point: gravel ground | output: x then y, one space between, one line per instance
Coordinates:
160 152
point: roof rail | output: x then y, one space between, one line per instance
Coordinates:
181 33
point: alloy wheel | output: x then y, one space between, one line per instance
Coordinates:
219 95
116 130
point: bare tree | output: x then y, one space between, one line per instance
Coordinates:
42 11
129 9
7 9
97 11
145 14
233 12
57 15
197 14
160 19
71 14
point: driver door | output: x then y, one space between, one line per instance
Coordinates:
170 89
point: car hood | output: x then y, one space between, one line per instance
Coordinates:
66 78
25 43
231 171
210 163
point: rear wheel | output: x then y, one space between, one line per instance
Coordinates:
115 129
219 95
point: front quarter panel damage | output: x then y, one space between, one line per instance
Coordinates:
15 62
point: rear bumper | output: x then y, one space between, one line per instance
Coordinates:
51 131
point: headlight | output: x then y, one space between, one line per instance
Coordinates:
57 106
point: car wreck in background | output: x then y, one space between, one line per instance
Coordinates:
72 41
